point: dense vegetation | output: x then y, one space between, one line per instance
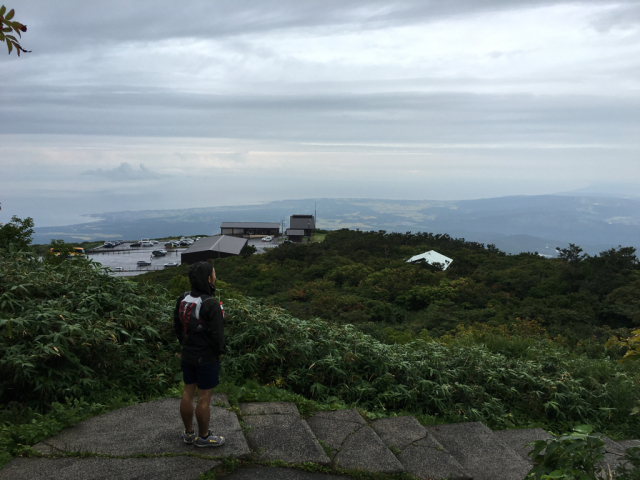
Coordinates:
75 341
362 278
503 380
68 322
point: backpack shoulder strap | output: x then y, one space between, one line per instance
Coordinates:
205 297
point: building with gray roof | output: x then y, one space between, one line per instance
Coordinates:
300 226
248 229
218 246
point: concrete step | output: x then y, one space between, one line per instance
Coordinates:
94 468
353 444
417 450
629 443
613 457
481 453
147 428
276 432
277 473
518 439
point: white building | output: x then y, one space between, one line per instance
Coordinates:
432 257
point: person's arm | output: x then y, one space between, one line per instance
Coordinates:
217 326
177 326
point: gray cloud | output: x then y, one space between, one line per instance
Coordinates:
68 24
393 117
124 172
625 16
507 98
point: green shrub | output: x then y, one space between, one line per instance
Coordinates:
569 457
580 456
69 330
543 385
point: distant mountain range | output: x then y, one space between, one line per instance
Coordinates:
514 224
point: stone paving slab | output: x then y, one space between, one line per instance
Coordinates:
424 460
518 439
353 444
363 450
610 459
269 408
334 426
420 454
152 428
220 399
69 468
266 473
348 415
399 432
283 437
481 453
629 443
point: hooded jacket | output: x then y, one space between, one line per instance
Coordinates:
201 348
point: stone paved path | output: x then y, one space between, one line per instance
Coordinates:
276 431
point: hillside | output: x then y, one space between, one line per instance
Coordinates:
363 278
514 224
87 342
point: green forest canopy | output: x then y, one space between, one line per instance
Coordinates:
363 278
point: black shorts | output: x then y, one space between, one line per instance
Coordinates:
205 376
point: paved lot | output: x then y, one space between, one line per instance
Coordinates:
262 246
127 258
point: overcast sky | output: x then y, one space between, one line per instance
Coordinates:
155 104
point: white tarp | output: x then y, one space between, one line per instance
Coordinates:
432 257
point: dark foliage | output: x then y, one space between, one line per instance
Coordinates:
68 329
363 278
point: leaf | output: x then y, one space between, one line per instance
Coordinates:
584 429
9 46
2 10
557 474
10 15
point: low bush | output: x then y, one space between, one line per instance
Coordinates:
459 382
580 455
68 329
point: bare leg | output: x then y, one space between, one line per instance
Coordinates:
202 411
186 406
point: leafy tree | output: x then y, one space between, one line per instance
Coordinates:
573 272
632 344
624 303
610 270
58 251
8 27
17 232
248 250
573 254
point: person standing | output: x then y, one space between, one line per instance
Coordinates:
198 324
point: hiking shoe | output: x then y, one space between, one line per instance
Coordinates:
188 438
211 441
